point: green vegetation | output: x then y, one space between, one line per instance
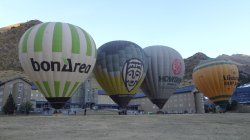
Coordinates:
26 107
10 106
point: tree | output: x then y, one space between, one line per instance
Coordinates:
22 108
26 107
10 106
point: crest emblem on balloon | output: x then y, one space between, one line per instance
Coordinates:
120 69
132 73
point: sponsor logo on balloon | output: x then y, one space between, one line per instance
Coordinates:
230 80
170 79
68 66
176 66
132 73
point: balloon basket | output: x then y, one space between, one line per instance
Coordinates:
122 111
160 112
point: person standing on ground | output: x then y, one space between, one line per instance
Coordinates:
85 111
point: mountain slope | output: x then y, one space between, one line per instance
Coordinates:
243 66
191 62
10 65
9 46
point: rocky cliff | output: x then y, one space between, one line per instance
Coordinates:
9 39
9 62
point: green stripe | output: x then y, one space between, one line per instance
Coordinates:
25 41
88 41
66 88
73 89
57 87
46 85
39 38
221 96
213 64
75 40
57 38
40 87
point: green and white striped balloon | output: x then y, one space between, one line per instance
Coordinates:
58 57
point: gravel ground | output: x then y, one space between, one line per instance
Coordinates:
228 126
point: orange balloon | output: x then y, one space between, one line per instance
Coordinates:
216 79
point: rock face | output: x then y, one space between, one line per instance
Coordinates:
9 45
4 29
191 62
243 63
243 66
9 61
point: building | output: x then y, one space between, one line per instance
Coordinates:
104 101
85 95
37 99
78 98
36 95
23 91
184 100
89 94
19 88
242 95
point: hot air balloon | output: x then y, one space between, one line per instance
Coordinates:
216 79
120 69
58 57
165 72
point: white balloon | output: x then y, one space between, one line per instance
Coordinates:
57 56
166 70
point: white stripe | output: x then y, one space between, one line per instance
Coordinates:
66 53
79 77
93 47
47 54
35 76
31 39
83 42
67 40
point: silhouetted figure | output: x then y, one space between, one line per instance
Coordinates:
85 111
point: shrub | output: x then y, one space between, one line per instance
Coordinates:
10 106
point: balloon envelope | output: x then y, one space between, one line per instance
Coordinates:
216 79
57 57
165 72
120 69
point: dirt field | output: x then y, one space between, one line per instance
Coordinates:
228 126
